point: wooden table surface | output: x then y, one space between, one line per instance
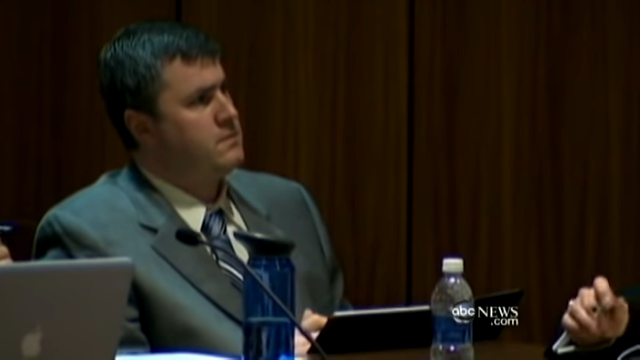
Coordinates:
483 351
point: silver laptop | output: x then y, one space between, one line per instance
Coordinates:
63 309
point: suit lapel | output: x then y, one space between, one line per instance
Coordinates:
256 220
194 263
200 269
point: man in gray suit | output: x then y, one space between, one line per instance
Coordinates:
164 90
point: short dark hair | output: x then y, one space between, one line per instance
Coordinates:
131 64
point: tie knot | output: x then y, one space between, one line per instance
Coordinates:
214 225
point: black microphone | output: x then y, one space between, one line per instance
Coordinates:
193 238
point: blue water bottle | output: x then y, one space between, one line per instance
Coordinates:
268 332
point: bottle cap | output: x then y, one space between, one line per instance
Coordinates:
453 265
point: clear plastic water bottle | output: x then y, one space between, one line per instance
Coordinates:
452 309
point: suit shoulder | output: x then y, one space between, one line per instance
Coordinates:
264 180
96 198
632 291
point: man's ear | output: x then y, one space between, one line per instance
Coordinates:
140 125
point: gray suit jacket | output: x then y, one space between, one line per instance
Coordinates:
180 299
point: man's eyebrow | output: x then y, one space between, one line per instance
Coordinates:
207 89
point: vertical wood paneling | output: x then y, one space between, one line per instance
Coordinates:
322 90
54 133
526 148
525 144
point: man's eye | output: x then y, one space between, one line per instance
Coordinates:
204 99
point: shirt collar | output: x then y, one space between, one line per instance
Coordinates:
190 209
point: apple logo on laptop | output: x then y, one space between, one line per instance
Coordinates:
31 346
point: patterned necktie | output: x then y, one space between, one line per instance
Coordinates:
214 227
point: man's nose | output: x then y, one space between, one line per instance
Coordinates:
227 110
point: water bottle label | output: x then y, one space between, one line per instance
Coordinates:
448 331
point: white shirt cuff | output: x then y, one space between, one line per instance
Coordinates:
562 346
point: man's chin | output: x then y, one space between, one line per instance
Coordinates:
231 162
236 159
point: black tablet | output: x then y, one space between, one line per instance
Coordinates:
407 327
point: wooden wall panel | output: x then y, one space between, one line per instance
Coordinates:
524 152
526 148
321 86
54 134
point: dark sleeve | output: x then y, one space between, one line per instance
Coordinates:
630 339
336 276
61 236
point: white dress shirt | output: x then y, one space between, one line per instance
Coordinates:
562 345
193 211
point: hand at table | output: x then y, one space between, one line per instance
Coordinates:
5 256
312 323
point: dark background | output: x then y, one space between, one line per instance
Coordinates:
505 131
